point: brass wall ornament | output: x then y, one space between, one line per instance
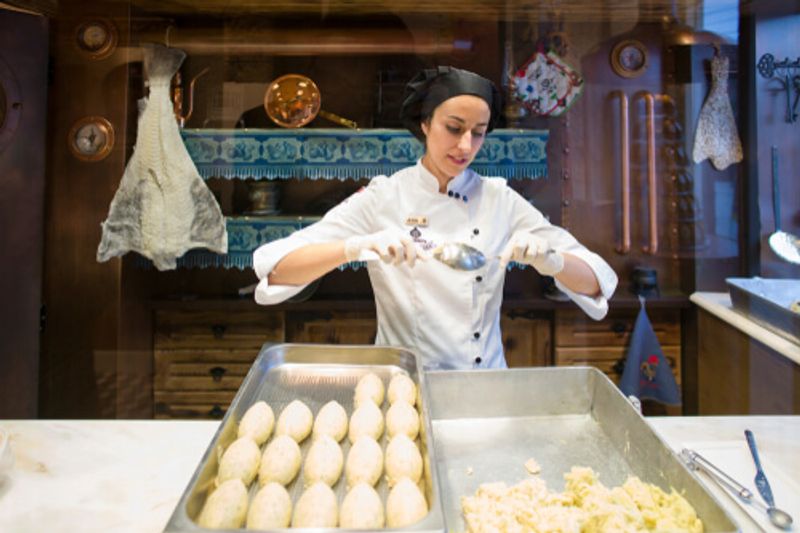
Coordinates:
629 58
91 138
97 38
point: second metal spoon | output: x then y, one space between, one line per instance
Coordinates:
777 516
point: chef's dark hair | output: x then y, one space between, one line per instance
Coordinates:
433 86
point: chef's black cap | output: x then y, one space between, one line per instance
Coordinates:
433 86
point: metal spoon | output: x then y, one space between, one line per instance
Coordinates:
696 461
778 517
785 245
459 256
456 255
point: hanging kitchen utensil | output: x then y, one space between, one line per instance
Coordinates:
546 85
786 245
716 137
294 100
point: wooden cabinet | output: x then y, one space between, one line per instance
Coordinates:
738 375
580 341
201 357
527 340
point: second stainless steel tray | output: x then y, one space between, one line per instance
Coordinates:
487 423
314 374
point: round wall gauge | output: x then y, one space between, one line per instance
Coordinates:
629 58
98 38
91 138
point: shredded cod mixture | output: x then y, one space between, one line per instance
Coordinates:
585 506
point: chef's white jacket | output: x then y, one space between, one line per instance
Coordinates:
450 318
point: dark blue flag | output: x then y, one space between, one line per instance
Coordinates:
647 373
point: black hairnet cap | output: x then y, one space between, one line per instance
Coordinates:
433 86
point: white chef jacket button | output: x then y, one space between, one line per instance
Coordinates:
457 196
464 198
478 278
476 231
478 360
450 194
477 335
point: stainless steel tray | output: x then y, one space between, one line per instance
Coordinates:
315 374
767 302
487 423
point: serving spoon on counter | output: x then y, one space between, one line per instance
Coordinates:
778 517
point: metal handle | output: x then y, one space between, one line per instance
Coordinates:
652 205
218 330
776 190
698 462
217 372
338 120
625 154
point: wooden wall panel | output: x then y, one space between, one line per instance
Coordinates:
22 168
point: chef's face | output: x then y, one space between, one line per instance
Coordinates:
454 134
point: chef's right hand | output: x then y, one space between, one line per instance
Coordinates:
391 245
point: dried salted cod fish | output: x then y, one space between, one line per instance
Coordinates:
162 208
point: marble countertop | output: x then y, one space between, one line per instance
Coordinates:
127 476
719 304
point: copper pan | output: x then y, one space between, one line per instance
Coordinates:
294 100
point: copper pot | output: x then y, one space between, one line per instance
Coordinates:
294 100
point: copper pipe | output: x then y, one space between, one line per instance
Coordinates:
625 155
312 41
652 206
177 97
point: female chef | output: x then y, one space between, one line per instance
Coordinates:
450 318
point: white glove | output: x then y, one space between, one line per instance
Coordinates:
524 247
392 246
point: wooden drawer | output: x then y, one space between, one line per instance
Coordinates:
205 370
332 327
574 328
606 358
176 329
192 404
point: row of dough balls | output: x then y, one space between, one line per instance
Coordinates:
281 460
271 507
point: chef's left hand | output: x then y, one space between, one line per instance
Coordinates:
525 247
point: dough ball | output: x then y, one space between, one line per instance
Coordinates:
240 461
257 422
370 387
405 504
402 387
271 508
364 462
402 460
323 462
316 507
226 507
402 418
362 508
366 420
295 420
332 421
280 462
